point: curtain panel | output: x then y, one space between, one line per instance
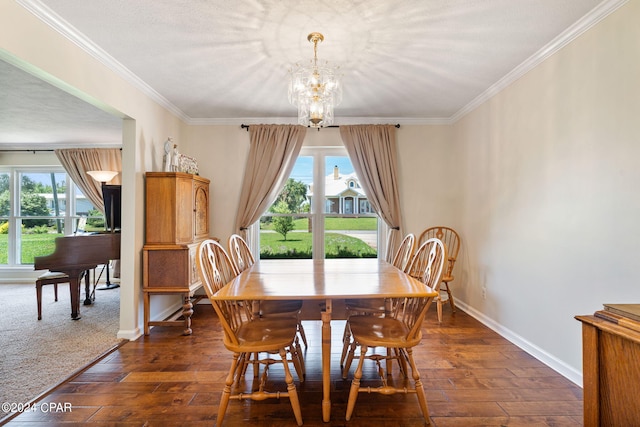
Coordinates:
77 161
372 150
273 152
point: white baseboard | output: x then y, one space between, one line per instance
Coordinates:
553 362
131 334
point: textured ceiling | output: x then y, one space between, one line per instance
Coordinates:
220 61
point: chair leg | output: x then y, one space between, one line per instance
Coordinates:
296 358
422 398
346 342
226 392
291 388
402 361
39 298
439 307
350 356
302 334
450 294
355 384
55 292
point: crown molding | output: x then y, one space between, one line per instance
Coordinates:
574 31
338 121
53 20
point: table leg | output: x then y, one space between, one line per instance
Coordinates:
326 362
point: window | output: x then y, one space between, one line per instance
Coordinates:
321 213
36 206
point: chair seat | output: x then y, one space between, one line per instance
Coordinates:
261 335
273 307
381 332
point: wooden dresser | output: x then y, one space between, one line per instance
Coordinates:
611 366
177 220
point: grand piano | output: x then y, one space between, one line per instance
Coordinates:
73 255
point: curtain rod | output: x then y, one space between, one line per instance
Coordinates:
31 151
332 126
23 151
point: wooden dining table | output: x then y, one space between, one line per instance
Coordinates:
326 280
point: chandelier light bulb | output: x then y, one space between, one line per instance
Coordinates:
315 89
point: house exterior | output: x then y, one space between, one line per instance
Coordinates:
343 194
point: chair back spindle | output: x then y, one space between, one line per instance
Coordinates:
403 255
240 253
214 266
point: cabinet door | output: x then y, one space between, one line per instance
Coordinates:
201 210
167 268
169 208
184 209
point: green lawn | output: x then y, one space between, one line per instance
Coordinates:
33 245
334 224
298 245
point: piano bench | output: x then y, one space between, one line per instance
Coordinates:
49 278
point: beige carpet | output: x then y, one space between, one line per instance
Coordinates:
36 355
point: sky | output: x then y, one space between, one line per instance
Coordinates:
303 169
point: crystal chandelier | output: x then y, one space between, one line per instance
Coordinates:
315 89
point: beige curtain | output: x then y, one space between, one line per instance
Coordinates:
372 150
273 152
77 161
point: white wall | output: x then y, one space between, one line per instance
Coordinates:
550 169
429 183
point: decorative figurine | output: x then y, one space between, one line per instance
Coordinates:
166 160
175 159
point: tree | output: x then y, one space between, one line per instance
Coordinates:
293 194
4 182
4 203
28 185
32 204
282 224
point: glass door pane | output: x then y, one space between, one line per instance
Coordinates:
5 211
351 229
286 229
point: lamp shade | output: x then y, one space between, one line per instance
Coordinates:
103 176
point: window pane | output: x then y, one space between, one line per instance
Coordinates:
283 234
93 218
4 217
351 237
343 193
347 237
295 243
41 195
37 241
4 241
4 195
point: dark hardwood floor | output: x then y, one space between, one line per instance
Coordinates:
472 377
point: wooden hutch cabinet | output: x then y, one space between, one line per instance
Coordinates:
177 220
611 366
